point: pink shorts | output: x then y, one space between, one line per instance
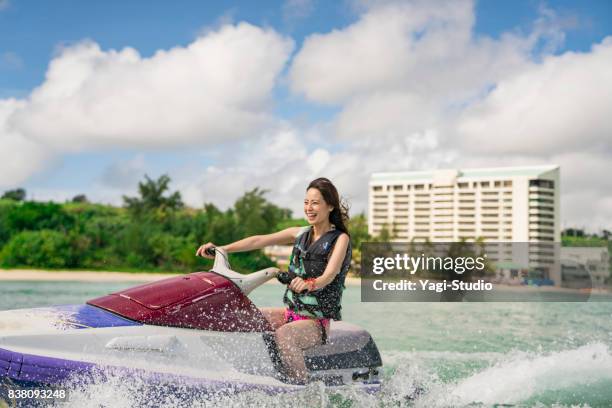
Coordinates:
291 316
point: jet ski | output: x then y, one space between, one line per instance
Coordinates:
199 330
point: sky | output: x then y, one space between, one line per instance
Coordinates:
228 96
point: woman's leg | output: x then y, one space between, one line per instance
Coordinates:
291 339
274 315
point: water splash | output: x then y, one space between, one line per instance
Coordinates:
517 379
525 375
32 320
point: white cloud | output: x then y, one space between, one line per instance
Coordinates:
283 163
405 67
216 88
275 161
394 114
318 159
20 157
421 48
561 105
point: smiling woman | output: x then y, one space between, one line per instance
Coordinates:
318 266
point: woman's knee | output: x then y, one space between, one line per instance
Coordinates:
286 336
274 315
301 335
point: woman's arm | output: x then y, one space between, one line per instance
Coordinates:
286 236
331 270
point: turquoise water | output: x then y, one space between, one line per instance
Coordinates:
468 354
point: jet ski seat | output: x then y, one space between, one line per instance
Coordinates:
348 346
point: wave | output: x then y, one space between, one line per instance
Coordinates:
516 379
523 376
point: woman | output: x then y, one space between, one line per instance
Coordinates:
321 257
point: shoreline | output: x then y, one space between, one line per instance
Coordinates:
37 275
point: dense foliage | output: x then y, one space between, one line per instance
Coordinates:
153 231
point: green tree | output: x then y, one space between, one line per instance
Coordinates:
255 215
32 215
6 207
153 197
358 228
573 232
44 249
18 194
386 234
80 198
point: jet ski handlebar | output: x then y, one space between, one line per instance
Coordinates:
286 277
247 282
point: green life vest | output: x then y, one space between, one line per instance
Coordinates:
309 261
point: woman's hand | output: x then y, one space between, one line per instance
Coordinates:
298 285
202 250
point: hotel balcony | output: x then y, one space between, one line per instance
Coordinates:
540 189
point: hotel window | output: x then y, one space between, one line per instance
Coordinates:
542 183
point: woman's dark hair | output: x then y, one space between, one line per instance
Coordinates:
339 215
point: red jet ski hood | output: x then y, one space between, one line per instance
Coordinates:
200 300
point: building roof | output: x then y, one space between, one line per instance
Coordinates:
479 173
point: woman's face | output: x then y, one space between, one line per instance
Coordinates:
315 207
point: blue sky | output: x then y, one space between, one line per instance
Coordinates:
33 33
33 30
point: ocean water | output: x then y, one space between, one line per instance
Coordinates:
447 354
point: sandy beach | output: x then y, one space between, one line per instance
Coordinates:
79 276
98 276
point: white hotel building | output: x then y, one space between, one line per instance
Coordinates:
506 204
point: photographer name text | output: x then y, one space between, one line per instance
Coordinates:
432 286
